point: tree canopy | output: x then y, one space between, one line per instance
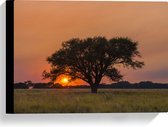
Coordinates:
91 59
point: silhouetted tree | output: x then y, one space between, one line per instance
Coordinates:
29 84
91 59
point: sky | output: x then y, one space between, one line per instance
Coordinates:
41 27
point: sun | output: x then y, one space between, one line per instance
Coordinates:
64 80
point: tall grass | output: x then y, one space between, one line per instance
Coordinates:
82 101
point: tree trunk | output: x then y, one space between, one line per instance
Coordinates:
94 88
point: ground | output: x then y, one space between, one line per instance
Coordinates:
82 101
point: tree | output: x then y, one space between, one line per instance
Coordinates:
29 84
91 59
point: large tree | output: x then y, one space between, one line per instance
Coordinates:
91 59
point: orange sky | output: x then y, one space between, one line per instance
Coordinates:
41 27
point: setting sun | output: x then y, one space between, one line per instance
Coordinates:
64 80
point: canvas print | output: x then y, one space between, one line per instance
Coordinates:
90 57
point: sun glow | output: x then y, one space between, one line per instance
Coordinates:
64 80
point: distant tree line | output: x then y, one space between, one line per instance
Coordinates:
118 85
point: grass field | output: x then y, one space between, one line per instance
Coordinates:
82 101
